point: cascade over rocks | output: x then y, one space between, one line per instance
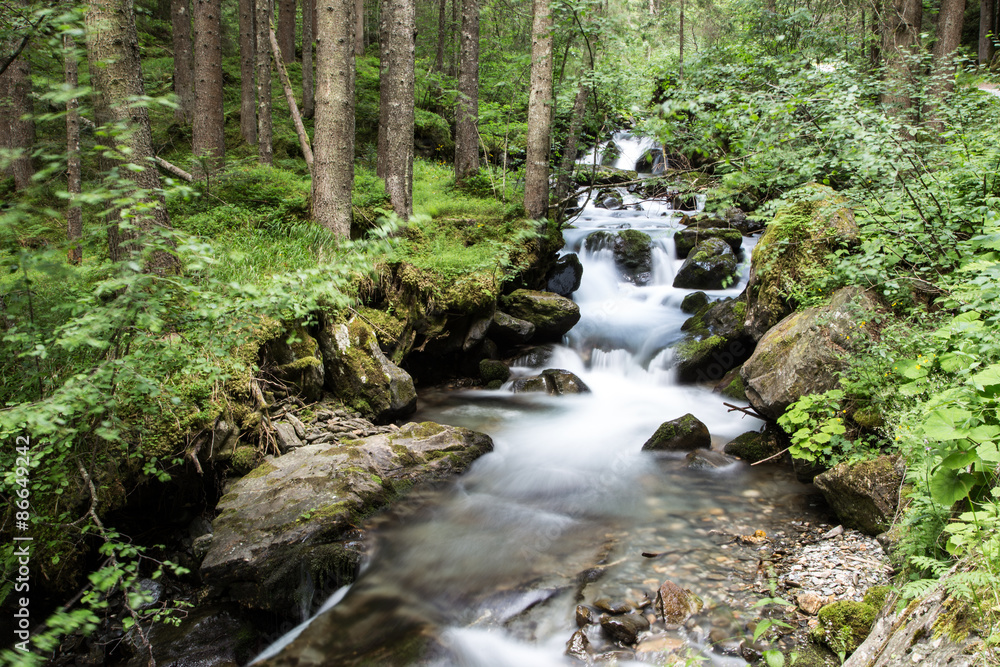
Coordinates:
793 247
551 314
633 251
552 381
299 510
864 495
710 265
805 352
683 434
716 341
685 240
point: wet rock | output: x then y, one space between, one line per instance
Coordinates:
704 221
662 643
805 352
609 200
286 437
201 545
731 386
565 276
603 176
476 334
578 647
511 330
208 636
694 302
715 342
552 381
613 607
737 218
633 252
552 315
683 434
674 605
293 359
493 371
585 616
360 375
754 446
293 515
650 161
794 247
685 240
624 629
707 459
864 495
810 602
711 265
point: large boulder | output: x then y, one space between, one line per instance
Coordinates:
715 342
805 352
552 381
510 330
684 434
552 315
711 265
793 250
864 495
685 240
293 515
565 276
359 374
633 251
293 360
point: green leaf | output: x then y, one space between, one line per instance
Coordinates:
959 460
949 486
943 424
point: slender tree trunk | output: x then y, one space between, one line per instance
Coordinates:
565 182
382 146
180 19
248 92
293 108
536 178
74 214
208 141
900 33
395 164
467 104
680 43
17 128
333 174
455 55
116 76
286 29
308 88
262 50
442 35
359 27
986 48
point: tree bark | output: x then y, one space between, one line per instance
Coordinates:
333 174
248 92
949 35
293 108
900 33
359 27
986 48
442 35
17 128
308 87
262 50
180 20
467 104
208 141
536 178
286 29
396 100
565 182
116 76
74 214
680 42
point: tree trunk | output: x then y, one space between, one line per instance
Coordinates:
949 35
359 27
986 48
308 91
262 50
442 35
381 144
116 76
900 33
293 108
467 104
565 183
680 43
333 174
455 52
180 19
396 99
208 141
536 178
286 29
17 128
248 92
74 214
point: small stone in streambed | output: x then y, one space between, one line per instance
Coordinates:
624 629
674 604
578 647
585 616
683 434
707 459
616 607
491 370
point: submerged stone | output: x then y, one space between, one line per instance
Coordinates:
552 381
624 629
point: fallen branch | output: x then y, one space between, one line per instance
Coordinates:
773 456
300 129
750 412
173 169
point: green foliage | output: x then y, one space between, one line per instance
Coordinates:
816 425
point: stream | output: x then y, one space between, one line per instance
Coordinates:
489 570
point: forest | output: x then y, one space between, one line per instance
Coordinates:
286 287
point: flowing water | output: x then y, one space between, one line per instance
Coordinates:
488 571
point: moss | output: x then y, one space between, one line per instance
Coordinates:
494 384
491 370
425 430
844 625
696 349
388 326
869 418
262 470
740 309
694 302
735 389
957 620
876 596
243 460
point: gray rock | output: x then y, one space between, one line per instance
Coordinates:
208 636
864 495
565 276
552 315
296 511
707 459
685 240
711 265
511 330
287 439
633 252
476 333
683 434
300 428
756 446
297 364
552 381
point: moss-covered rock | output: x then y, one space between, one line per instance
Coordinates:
552 315
294 512
793 251
552 381
716 342
293 360
491 370
633 252
710 265
510 330
844 625
586 175
683 434
754 446
732 386
864 495
685 240
694 302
